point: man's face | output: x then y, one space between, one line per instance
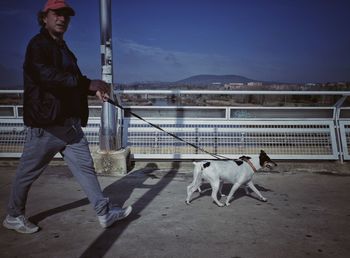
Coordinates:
56 22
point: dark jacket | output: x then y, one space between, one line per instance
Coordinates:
54 88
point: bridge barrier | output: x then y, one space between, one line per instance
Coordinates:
320 132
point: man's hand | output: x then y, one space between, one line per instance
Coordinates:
102 89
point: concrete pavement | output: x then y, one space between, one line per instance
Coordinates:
307 215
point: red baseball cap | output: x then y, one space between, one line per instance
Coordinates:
58 4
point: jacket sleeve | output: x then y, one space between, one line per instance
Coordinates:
40 61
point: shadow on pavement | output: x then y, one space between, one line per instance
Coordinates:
206 191
104 241
43 215
118 192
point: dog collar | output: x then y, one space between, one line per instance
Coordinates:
251 165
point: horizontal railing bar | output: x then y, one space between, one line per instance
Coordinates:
204 156
215 92
11 91
224 107
230 92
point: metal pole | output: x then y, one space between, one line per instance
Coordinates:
336 117
108 130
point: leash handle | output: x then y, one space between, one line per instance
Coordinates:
217 156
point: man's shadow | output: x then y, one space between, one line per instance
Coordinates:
104 241
119 192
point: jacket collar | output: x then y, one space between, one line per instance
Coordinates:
46 34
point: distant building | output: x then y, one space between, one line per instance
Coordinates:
239 85
310 84
254 83
233 85
341 83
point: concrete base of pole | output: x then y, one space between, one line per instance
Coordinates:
112 163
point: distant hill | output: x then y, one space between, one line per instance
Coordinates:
209 79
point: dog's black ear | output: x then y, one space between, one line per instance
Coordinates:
262 152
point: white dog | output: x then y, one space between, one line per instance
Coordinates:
238 172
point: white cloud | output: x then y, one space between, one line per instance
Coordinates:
136 61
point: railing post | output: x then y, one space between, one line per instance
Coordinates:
337 106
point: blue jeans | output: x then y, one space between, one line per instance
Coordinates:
40 147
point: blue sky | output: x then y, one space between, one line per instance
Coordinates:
169 40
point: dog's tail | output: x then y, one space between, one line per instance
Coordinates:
199 166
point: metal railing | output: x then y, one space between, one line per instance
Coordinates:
285 132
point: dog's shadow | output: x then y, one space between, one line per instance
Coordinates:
206 191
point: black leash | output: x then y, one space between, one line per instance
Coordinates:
217 156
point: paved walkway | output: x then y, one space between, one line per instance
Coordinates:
307 215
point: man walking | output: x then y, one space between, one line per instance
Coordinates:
55 108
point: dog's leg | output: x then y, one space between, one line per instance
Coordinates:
189 192
220 188
232 192
199 186
197 181
214 194
251 186
192 188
